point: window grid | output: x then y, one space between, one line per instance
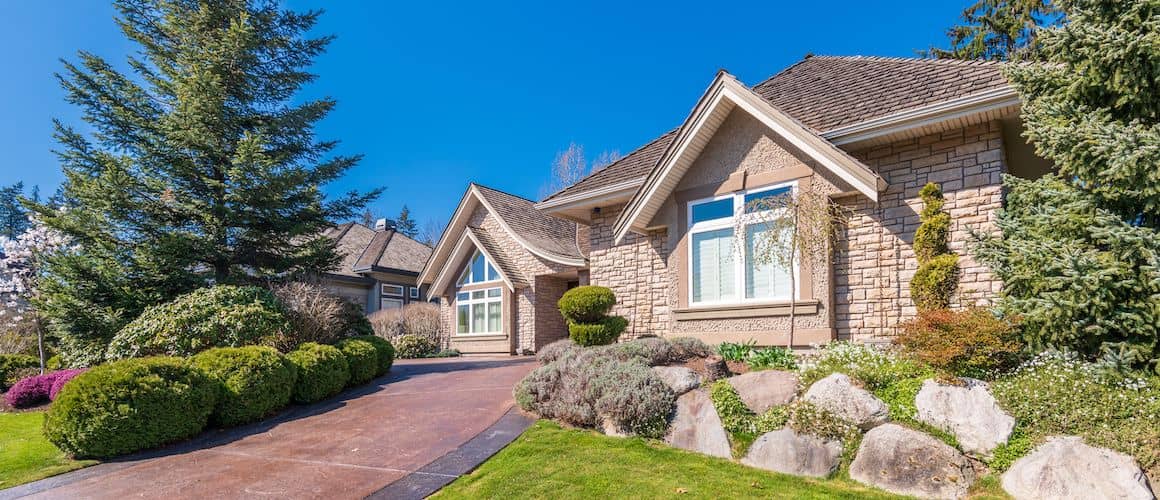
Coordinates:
479 312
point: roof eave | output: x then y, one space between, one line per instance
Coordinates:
902 121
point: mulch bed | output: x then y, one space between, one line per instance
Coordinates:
698 365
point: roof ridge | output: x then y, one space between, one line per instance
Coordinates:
959 62
500 191
622 158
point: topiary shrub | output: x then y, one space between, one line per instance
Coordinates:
686 348
937 276
586 304
385 352
415 346
971 343
553 351
219 316
603 332
30 391
361 357
10 363
254 381
322 372
63 377
130 405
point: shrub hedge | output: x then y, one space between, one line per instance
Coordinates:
253 381
130 405
361 357
219 316
385 352
10 363
322 372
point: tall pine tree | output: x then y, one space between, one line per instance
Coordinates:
999 30
13 216
1080 252
405 224
202 167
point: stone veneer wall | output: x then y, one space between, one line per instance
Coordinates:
636 270
550 325
872 277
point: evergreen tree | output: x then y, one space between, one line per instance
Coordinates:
405 224
999 30
13 216
1080 253
202 169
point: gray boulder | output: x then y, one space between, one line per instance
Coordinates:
678 378
908 462
1066 468
696 426
765 389
969 412
787 452
839 396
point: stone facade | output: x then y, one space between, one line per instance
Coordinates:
636 271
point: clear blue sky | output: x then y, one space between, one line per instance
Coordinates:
437 94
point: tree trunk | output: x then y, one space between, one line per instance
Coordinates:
40 343
792 283
715 368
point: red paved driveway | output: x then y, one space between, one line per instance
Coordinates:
348 448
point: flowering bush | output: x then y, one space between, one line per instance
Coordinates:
31 391
63 377
873 365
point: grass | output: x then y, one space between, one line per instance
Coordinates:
548 461
25 455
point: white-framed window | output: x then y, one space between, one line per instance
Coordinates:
392 290
479 311
388 303
479 270
723 270
414 292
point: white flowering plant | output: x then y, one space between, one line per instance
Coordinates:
21 267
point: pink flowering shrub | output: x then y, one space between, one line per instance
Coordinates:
62 377
30 391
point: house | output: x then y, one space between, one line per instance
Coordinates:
657 226
379 267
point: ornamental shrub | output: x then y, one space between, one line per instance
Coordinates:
586 304
361 357
384 352
553 351
130 405
218 316
937 276
603 332
316 315
253 381
63 377
322 372
634 398
30 391
970 343
10 363
415 346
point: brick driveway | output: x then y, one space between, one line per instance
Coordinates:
345 448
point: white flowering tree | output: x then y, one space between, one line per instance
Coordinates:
20 270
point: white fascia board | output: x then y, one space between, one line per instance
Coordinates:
902 121
448 272
592 196
524 243
426 275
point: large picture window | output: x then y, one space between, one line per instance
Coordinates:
479 270
724 269
479 311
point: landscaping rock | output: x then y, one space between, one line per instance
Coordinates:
610 428
765 389
839 396
969 412
1065 467
678 378
908 462
787 452
696 426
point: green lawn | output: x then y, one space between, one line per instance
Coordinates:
550 462
24 453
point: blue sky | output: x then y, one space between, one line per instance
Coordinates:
437 94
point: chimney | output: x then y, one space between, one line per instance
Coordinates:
381 225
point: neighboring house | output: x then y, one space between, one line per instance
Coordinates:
657 226
379 266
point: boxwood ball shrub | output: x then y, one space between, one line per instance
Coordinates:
322 372
603 332
384 351
219 316
361 357
253 382
130 405
415 346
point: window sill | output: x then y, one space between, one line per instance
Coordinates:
478 337
801 307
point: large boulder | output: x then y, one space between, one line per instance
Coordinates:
678 378
967 411
696 426
1066 468
765 389
788 452
838 395
908 462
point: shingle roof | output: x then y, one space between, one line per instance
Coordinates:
363 249
405 253
548 234
827 92
351 240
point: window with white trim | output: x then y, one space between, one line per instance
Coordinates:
479 311
479 270
722 271
392 290
414 292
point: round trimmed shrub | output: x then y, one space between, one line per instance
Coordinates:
415 346
130 405
219 316
586 304
63 377
935 281
604 332
254 381
384 350
361 357
322 372
30 391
